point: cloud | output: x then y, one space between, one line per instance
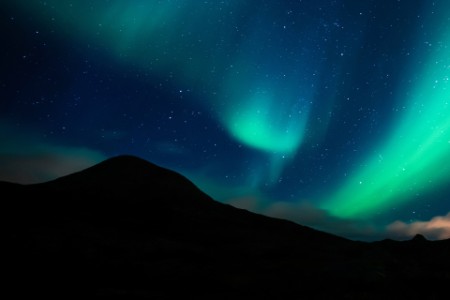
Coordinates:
45 162
437 228
245 202
25 157
307 214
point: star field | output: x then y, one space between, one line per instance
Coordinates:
334 114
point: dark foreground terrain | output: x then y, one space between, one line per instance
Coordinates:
128 228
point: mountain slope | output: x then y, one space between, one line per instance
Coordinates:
128 227
128 191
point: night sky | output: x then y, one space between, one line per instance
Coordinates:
332 114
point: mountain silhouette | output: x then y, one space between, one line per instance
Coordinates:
127 227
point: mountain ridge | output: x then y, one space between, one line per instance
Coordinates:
129 226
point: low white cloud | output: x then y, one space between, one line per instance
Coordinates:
305 213
437 228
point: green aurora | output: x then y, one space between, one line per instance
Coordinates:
141 34
414 159
253 99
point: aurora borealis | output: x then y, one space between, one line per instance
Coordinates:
336 109
414 157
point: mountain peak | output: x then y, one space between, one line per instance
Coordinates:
419 238
121 169
126 159
125 163
126 224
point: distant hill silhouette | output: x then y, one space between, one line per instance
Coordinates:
127 227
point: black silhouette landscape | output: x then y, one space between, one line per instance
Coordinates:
129 228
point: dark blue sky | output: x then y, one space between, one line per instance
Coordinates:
334 114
